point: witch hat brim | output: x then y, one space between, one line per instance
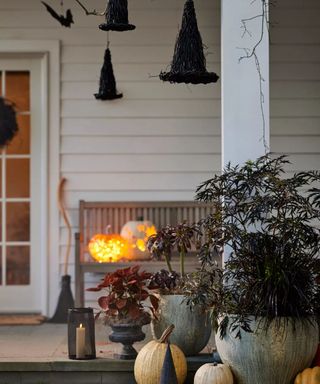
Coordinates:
189 77
116 27
108 96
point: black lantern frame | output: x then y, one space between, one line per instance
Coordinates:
81 334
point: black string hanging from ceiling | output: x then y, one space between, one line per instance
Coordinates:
8 122
117 17
107 88
189 63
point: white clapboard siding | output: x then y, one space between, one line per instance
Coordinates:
161 140
139 163
295 71
293 36
135 72
295 82
138 181
74 90
140 145
142 36
93 54
124 126
295 52
293 89
295 126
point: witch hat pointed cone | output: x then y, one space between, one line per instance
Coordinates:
189 63
168 371
117 17
107 88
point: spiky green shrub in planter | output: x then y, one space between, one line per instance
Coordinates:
270 225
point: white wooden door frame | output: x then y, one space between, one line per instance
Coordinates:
49 53
26 298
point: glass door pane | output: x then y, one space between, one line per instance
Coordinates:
15 184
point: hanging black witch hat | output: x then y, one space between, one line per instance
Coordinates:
8 122
117 17
107 88
189 63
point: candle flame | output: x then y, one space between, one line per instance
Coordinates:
81 325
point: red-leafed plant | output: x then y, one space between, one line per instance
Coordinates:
126 293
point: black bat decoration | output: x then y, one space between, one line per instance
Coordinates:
65 21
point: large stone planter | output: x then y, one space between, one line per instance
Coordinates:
274 356
192 328
126 334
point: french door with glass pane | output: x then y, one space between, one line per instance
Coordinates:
20 211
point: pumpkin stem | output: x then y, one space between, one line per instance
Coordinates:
166 334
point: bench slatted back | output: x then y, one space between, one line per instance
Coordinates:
96 216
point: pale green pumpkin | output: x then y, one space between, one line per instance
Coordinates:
213 373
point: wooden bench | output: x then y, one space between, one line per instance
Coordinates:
94 217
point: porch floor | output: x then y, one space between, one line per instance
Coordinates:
39 355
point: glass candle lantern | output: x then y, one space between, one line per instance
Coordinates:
81 334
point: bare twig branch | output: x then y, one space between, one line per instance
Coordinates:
252 53
94 12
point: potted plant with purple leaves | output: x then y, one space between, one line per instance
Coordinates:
192 323
124 306
268 300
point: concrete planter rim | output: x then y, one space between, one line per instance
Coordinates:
284 320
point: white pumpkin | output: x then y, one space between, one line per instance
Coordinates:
137 233
213 373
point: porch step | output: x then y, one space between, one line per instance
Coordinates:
99 371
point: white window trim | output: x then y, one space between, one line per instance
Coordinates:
49 52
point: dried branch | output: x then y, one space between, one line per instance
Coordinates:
250 53
94 12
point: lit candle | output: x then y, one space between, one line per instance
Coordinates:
80 342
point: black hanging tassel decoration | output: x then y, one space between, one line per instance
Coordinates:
117 17
168 372
107 88
189 63
8 122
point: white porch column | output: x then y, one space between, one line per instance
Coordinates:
245 117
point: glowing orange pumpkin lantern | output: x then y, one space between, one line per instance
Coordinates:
108 248
137 233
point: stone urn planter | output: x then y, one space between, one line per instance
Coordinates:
192 328
274 356
126 334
